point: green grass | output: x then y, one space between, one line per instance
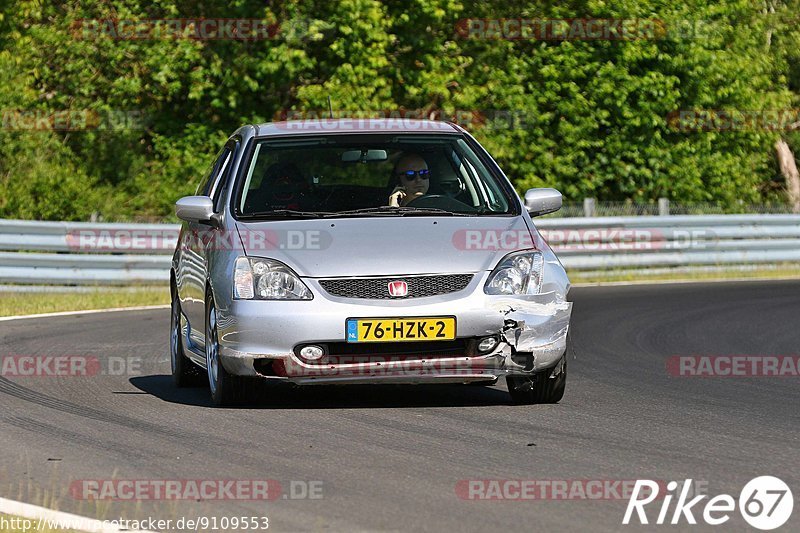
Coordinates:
642 276
30 303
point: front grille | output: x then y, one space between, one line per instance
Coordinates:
378 288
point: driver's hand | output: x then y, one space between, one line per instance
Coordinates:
397 196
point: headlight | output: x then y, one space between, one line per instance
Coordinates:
266 279
517 273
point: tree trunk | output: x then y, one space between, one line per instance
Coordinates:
789 170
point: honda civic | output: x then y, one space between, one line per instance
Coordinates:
355 251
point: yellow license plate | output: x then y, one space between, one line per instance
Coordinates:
440 328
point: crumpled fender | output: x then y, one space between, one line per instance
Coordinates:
536 323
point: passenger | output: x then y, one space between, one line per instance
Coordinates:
410 178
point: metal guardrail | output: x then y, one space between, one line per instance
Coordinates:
79 253
684 240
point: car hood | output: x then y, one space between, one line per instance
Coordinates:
377 246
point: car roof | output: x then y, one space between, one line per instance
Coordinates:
355 125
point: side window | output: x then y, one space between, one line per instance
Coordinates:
206 186
219 173
219 190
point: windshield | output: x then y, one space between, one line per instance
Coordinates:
369 175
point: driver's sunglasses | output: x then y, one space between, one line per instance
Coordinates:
410 174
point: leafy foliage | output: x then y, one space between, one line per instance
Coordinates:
590 117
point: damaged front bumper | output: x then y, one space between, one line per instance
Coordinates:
259 339
535 330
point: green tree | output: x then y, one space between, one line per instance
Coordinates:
591 117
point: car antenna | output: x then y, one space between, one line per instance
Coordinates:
330 106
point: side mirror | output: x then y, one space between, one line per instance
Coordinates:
198 209
542 201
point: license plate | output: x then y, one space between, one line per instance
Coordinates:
440 328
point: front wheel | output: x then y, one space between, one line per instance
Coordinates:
226 388
543 387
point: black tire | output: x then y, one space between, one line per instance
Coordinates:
543 387
184 372
226 389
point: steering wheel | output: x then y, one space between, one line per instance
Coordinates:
441 201
420 200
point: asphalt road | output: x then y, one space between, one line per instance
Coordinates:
390 458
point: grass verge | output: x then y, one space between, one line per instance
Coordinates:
14 302
31 303
645 275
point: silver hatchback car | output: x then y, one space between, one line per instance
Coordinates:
365 251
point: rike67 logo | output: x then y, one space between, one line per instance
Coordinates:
765 503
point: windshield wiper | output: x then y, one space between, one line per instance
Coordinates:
388 210
379 210
286 213
408 210
490 211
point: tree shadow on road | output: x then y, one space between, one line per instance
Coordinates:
285 396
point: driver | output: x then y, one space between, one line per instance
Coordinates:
411 179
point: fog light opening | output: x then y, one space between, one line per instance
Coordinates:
487 344
312 352
264 367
